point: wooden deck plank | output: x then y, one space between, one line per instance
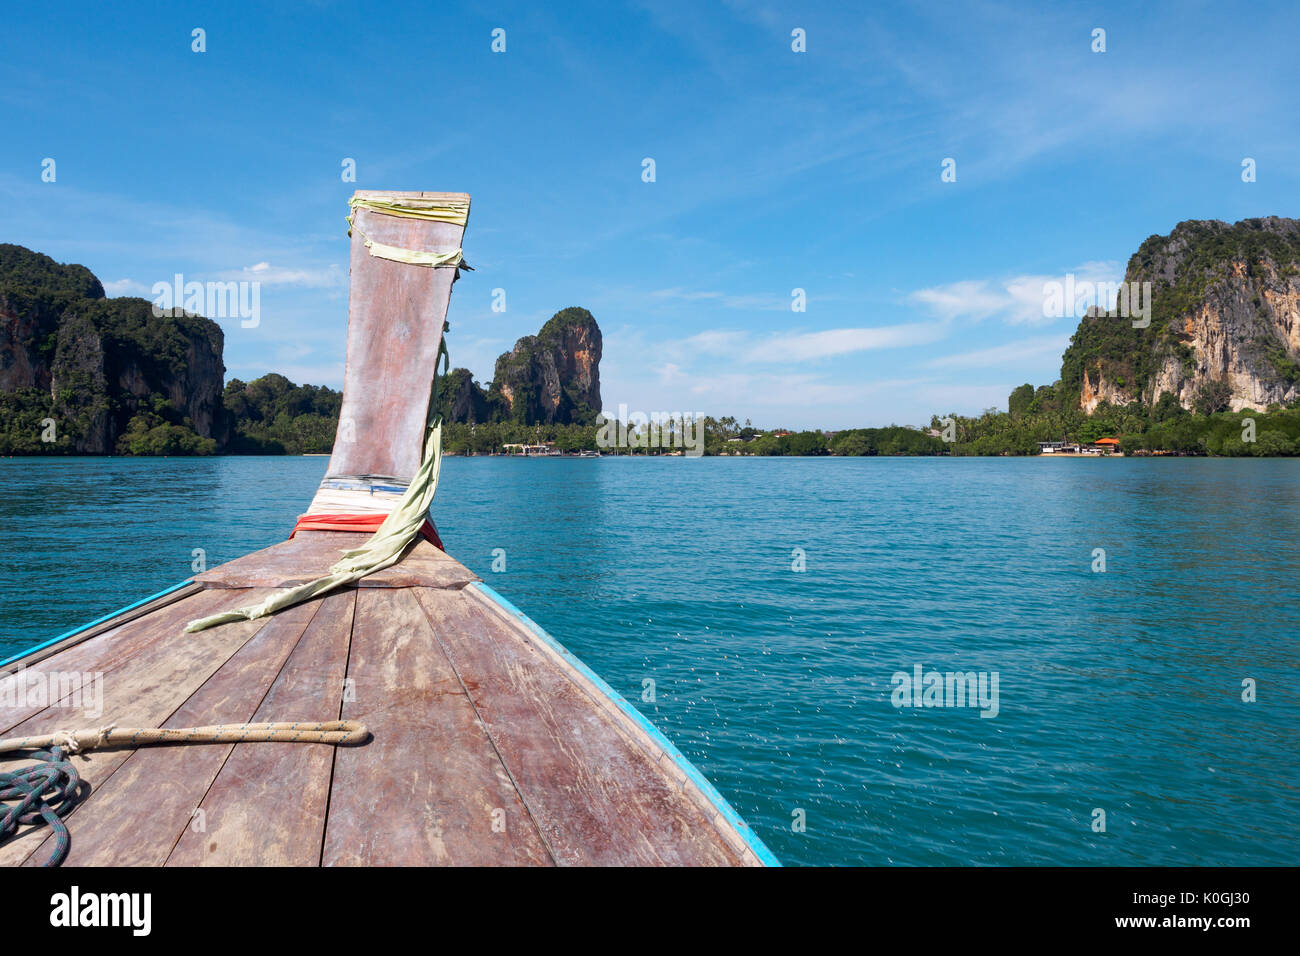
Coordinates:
429 787
475 723
135 817
596 794
309 555
267 805
102 654
142 692
730 827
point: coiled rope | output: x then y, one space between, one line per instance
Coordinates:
45 792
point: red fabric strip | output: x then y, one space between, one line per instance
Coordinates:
369 523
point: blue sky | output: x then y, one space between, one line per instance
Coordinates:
775 170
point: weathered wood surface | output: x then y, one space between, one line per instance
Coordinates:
395 318
734 831
488 747
101 654
267 805
144 690
136 815
309 554
597 796
429 787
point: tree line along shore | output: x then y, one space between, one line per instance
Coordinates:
273 416
1212 367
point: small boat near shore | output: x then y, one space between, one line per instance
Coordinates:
352 695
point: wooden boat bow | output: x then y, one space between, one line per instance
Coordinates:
490 743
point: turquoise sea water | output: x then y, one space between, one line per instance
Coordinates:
1118 691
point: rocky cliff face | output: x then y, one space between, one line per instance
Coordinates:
95 364
461 399
1225 323
34 293
79 387
24 352
179 358
552 377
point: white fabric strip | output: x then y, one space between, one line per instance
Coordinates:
345 501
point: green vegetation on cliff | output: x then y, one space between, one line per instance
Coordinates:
1219 299
1183 269
43 283
1052 414
109 375
155 432
23 417
273 416
552 377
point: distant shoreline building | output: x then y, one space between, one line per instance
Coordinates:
527 451
1102 446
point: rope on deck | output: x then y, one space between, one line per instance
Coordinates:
46 792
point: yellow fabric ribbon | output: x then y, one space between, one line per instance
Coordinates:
454 211
413 257
389 542
383 549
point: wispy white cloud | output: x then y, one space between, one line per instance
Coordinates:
767 303
970 299
835 342
716 341
1010 353
325 277
120 287
786 347
788 390
1017 301
670 373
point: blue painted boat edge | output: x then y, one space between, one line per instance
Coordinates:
99 620
743 829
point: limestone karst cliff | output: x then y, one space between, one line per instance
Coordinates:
1225 323
114 378
549 378
106 372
